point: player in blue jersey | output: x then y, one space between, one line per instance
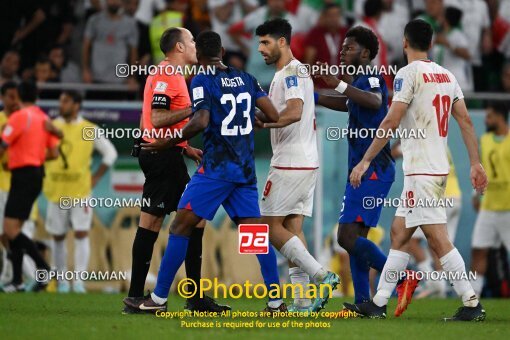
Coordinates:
224 108
366 100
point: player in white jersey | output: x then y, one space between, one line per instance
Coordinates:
288 194
424 96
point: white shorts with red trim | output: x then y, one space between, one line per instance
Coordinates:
288 191
59 221
418 193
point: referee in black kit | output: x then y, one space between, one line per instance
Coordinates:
166 108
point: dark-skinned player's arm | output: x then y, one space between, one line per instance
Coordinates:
478 175
390 123
368 99
291 114
267 113
336 103
196 125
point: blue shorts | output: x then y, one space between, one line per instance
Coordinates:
204 195
359 205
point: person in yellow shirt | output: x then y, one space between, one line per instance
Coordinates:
427 261
172 16
70 177
492 225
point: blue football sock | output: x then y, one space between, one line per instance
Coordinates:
360 279
175 253
269 269
367 250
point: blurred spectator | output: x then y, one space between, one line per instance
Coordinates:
130 7
55 29
324 42
93 7
504 47
504 9
434 12
308 12
63 69
144 15
9 67
146 10
110 39
173 16
451 48
476 26
223 14
505 78
42 70
417 7
43 74
19 18
499 26
200 14
256 64
395 16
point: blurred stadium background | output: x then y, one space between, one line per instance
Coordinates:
76 44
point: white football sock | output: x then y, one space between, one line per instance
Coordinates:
478 284
157 299
453 263
295 251
60 255
395 264
29 267
275 303
81 254
300 279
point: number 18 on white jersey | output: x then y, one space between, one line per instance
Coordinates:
430 90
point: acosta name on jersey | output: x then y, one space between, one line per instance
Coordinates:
232 82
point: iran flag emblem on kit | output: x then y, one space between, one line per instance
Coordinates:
127 177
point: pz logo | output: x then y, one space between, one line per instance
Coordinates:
253 239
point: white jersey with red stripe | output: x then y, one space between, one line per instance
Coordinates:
295 145
430 90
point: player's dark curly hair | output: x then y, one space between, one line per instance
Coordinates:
208 44
418 33
366 38
276 28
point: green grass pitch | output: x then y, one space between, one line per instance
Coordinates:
56 316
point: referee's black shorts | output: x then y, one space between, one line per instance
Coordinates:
166 177
26 185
